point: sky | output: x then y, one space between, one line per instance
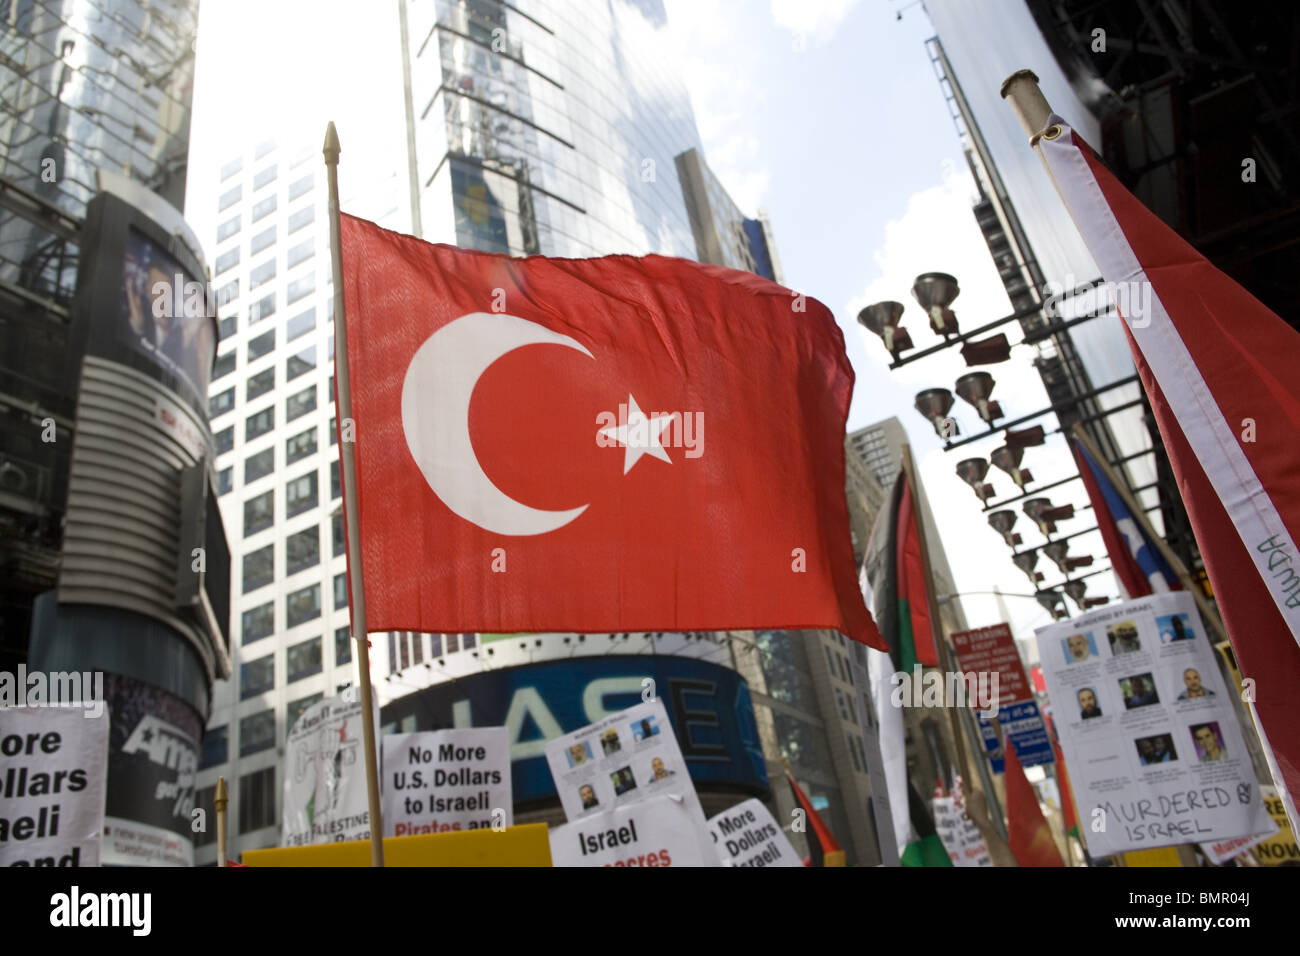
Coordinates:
826 114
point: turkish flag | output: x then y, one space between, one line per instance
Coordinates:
614 444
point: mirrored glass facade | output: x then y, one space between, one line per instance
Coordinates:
548 128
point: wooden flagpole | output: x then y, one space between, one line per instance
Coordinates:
981 802
343 410
219 803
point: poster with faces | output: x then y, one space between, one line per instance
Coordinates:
1148 728
620 760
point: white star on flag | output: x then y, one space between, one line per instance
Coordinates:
640 436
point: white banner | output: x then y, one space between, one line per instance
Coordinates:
325 775
1151 738
53 763
443 780
624 759
661 831
958 833
748 835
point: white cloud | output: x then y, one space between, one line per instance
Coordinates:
813 20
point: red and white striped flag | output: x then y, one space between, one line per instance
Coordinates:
1222 373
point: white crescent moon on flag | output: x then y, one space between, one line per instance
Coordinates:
435 418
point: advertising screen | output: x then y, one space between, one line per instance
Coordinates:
164 313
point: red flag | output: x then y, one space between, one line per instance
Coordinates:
1219 369
614 444
913 604
1028 834
1067 795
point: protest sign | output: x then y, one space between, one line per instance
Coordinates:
1148 729
325 775
53 764
659 831
443 780
958 833
625 758
748 835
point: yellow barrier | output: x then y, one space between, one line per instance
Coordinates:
525 845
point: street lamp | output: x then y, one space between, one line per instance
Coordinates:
1002 522
1025 561
883 319
935 404
1007 458
935 291
975 388
1057 552
972 471
1045 515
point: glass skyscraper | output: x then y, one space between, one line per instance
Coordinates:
547 128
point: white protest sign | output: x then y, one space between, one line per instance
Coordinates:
1148 729
621 760
1221 851
660 831
442 780
748 835
958 834
53 762
325 775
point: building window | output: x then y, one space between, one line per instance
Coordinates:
302 550
853 752
336 529
335 490
264 208
259 465
261 345
260 384
262 308
452 645
300 186
260 423
229 228
300 325
224 365
334 431
435 645
226 261
225 439
301 252
259 568
263 148
260 241
225 480
301 218
304 659
298 707
222 403
216 748
229 198
262 274
302 606
264 177
301 287
256 677
257 793
300 446
259 513
300 364
232 167
258 622
295 406
301 494
228 326
340 591
342 646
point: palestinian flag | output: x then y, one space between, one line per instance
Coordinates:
1028 834
893 585
1067 797
823 849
